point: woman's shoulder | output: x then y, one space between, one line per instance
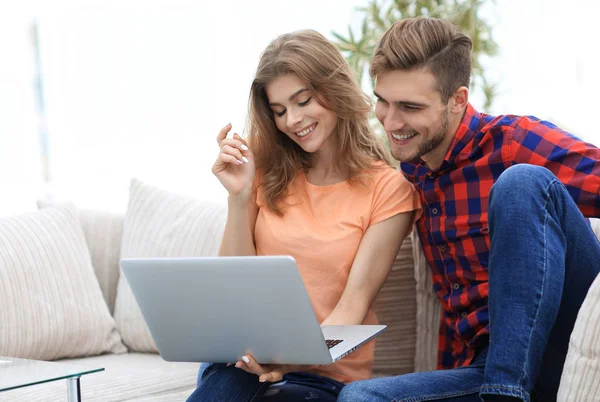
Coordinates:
380 170
382 178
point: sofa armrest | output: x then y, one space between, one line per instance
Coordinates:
428 311
395 307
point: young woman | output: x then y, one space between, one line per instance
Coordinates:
311 181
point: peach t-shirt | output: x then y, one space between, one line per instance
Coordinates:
321 228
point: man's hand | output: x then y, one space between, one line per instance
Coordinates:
268 372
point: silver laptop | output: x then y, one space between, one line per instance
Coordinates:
216 309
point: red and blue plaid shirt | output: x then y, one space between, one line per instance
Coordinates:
454 226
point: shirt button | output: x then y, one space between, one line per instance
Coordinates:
435 211
463 314
431 175
443 248
456 286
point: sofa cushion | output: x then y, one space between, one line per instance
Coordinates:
128 377
103 232
52 305
159 223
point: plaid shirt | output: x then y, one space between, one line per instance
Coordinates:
454 226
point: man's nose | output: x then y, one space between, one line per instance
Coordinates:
393 121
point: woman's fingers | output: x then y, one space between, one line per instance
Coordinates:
250 365
236 153
273 376
236 136
223 159
223 133
253 365
270 373
237 143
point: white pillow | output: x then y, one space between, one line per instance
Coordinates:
103 232
51 305
159 223
580 379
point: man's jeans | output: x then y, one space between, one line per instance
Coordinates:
543 259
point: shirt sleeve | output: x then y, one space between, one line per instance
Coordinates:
574 162
393 194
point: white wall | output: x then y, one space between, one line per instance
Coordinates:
549 62
20 169
140 89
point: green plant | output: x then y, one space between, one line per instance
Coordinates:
380 15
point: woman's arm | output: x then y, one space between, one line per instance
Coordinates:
235 169
371 267
238 238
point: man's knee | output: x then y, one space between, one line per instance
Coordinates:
523 177
357 391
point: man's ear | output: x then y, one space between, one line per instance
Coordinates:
459 100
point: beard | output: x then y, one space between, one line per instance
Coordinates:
429 144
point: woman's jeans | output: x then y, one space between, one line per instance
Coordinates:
217 382
543 259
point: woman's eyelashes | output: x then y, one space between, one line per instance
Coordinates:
301 104
306 102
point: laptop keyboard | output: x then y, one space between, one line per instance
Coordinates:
332 342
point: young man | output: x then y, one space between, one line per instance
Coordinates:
503 227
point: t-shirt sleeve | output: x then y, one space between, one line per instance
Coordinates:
393 194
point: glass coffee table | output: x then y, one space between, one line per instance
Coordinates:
19 373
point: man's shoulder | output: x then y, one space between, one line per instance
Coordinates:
512 124
499 124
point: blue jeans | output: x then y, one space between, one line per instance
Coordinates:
543 259
217 382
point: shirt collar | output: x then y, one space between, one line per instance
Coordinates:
465 132
462 137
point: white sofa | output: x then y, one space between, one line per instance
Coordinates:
159 223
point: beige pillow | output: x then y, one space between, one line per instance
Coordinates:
159 223
580 379
51 305
102 231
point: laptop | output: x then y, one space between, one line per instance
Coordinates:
217 309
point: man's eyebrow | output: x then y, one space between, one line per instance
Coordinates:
401 102
378 96
291 98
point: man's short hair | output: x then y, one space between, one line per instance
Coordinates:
434 43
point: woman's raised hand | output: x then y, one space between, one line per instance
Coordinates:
234 166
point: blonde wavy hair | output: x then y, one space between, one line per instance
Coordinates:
316 62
